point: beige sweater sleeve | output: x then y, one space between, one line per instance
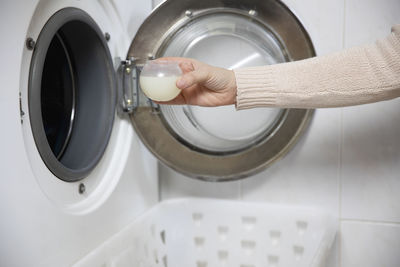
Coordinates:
355 76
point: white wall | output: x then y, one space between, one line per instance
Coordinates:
349 161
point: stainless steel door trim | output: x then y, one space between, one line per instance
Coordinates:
170 16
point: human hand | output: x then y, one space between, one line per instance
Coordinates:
202 84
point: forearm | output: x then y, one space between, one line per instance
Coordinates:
355 76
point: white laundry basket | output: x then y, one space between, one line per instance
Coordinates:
213 233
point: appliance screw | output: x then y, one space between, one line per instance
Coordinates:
126 62
82 188
252 12
150 56
188 13
128 70
30 44
107 36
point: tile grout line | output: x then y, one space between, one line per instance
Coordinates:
341 140
344 25
240 190
340 152
393 223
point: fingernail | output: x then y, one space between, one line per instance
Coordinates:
186 65
180 83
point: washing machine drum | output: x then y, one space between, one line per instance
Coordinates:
216 144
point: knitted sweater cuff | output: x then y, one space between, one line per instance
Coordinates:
255 87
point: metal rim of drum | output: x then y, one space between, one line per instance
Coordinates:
95 87
152 38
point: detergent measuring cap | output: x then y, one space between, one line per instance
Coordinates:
158 79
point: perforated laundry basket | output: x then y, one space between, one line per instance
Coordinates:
213 233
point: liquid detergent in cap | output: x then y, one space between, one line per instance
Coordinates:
158 80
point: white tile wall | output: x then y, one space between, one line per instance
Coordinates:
368 20
371 145
131 14
370 174
323 20
371 162
175 185
308 175
348 162
156 2
370 244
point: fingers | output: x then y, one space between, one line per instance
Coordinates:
192 78
186 64
186 67
179 60
179 100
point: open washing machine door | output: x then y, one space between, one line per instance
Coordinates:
216 144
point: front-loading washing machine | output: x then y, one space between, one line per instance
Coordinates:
74 169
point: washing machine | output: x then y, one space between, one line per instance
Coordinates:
81 143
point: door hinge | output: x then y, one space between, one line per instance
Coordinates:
129 77
131 96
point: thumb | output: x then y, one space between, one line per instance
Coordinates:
191 78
